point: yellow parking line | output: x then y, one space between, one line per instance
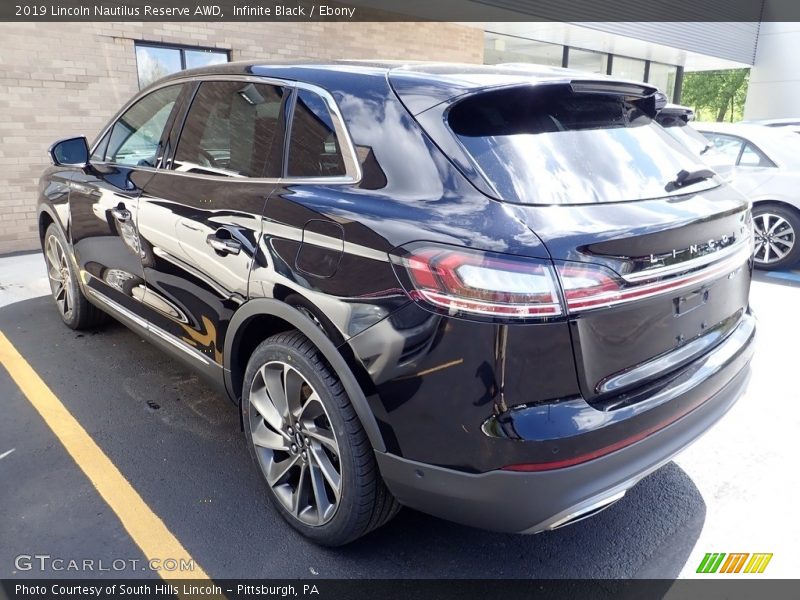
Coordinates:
147 530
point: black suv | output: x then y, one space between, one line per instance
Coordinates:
497 295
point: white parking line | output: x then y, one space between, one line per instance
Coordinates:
4 454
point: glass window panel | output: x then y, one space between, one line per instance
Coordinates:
233 130
663 77
627 68
135 136
500 48
752 157
99 154
154 63
314 149
584 60
204 58
550 145
726 146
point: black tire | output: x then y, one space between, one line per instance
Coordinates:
364 502
74 309
768 214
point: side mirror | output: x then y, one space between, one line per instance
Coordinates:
72 152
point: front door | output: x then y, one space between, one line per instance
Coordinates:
104 200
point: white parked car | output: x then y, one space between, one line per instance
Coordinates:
765 163
791 124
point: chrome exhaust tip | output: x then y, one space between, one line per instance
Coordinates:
589 510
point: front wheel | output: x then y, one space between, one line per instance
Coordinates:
73 307
776 230
306 438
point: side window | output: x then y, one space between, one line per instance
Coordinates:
135 136
233 129
99 154
314 149
728 147
753 157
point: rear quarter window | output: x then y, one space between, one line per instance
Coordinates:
314 148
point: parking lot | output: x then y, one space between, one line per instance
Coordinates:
178 445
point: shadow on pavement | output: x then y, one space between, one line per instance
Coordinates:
179 444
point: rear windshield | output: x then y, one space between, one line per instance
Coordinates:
550 145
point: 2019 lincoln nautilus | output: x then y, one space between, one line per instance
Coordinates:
498 295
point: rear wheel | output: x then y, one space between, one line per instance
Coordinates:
306 438
73 307
776 229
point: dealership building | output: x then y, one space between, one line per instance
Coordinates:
64 79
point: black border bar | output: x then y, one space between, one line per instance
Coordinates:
401 10
709 587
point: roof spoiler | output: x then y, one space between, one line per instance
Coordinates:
648 98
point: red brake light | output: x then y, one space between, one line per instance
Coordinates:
466 281
471 282
586 286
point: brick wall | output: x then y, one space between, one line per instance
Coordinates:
63 79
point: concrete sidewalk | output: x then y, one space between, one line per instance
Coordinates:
22 276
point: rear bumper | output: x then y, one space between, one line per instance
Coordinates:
530 502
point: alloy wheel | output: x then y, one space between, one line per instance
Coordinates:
59 275
775 237
295 444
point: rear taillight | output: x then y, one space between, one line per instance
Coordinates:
459 281
587 287
469 282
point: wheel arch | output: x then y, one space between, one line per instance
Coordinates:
776 202
48 217
260 318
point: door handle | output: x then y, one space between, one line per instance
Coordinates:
224 246
121 214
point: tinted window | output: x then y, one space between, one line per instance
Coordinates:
135 136
727 146
549 145
699 145
233 129
753 157
99 154
314 149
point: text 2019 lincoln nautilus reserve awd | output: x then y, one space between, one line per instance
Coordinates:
501 296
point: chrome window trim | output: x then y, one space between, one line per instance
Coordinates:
353 173
352 167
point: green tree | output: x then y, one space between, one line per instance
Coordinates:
716 94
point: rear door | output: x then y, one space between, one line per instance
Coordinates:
652 250
200 216
104 201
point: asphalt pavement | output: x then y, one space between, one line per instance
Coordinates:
178 444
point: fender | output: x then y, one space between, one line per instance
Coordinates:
276 308
50 211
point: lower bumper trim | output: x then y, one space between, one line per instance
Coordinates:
530 502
